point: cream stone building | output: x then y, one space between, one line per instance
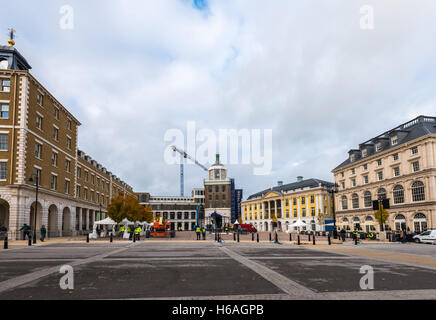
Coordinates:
307 200
38 139
399 165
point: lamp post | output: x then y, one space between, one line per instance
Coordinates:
31 180
333 191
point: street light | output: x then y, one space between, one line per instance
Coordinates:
36 203
333 190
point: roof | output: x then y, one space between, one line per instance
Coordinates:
414 129
310 183
20 59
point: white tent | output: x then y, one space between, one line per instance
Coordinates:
106 222
297 224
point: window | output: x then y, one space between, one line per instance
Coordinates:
67 186
378 147
418 192
394 140
38 150
364 153
39 99
379 162
415 166
353 171
54 159
352 157
210 189
56 113
54 182
79 172
69 124
312 199
304 212
343 185
295 201
397 171
4 142
295 213
342 174
5 85
78 191
380 175
224 188
68 142
365 167
39 122
398 194
92 179
344 203
355 201
303 200
367 199
366 179
86 176
4 111
217 174
353 182
415 150
3 170
396 157
55 133
313 212
67 165
381 194
287 202
85 194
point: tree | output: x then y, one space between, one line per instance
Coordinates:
128 207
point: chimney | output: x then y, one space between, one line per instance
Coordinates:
280 183
217 159
300 179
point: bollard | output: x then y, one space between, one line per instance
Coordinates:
30 241
234 237
270 237
329 240
134 237
298 240
290 237
6 243
238 238
112 239
276 238
314 240
355 241
252 237
87 238
309 237
257 238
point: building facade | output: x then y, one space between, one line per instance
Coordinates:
399 165
308 200
181 212
38 142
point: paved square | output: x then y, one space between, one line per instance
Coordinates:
207 270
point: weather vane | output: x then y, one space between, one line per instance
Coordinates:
11 37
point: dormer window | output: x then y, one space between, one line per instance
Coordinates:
352 157
4 64
364 153
378 146
394 140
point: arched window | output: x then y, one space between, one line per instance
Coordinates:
398 194
344 203
356 220
418 192
369 219
355 200
367 199
400 222
381 194
420 223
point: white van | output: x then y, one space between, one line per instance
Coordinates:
428 236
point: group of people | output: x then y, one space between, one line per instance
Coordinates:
199 231
133 232
27 232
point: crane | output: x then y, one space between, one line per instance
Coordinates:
184 155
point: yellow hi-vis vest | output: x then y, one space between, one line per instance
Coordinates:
138 230
122 229
198 230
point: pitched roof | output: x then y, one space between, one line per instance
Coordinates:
416 128
310 183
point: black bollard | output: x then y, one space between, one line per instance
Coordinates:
270 237
298 240
30 241
309 236
276 238
6 243
234 237
238 238
112 239
314 240
290 237
252 237
87 238
257 238
330 240
134 237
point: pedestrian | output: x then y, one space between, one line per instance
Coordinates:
138 233
122 230
198 231
204 233
403 236
43 232
343 234
26 231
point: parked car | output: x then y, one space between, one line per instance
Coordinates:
428 236
248 228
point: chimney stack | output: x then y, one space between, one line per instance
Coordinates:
300 179
280 183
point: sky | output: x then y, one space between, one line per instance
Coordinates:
306 70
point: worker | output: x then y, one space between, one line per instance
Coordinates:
198 231
122 230
138 233
227 229
204 233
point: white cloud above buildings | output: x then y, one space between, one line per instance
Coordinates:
131 70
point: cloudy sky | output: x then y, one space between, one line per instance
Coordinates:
131 70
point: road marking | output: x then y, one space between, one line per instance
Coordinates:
21 280
292 288
428 294
234 297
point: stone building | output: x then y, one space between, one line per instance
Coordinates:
38 142
399 165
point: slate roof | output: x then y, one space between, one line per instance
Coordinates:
416 128
20 60
310 183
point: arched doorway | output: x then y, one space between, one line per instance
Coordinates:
356 223
4 218
66 222
420 223
38 217
52 227
369 224
400 222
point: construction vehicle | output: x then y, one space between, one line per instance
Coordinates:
161 229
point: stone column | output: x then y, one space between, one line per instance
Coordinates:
88 212
79 210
